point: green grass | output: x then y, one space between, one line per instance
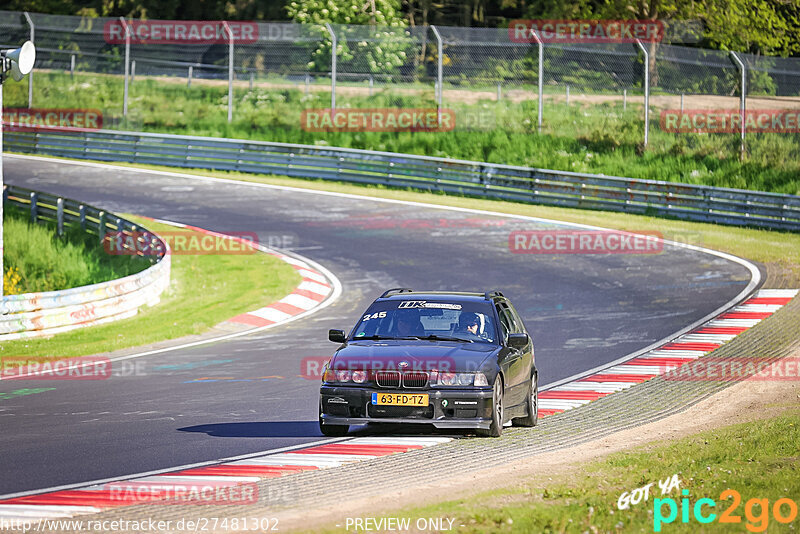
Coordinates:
45 262
204 290
758 459
599 138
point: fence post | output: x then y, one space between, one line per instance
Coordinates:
308 81
60 216
371 82
646 90
30 74
568 95
334 44
127 65
101 225
34 207
230 69
439 88
743 99
189 79
539 42
624 100
133 70
72 66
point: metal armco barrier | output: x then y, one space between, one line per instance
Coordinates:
52 312
539 186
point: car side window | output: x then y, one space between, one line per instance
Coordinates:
505 323
519 325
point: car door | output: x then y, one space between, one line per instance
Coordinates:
528 355
513 363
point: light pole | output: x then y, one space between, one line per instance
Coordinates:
18 62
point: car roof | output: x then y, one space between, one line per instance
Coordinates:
456 296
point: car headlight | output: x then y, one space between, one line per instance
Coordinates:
359 377
458 379
343 376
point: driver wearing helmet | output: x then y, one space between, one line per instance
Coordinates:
469 323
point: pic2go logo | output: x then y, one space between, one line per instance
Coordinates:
756 511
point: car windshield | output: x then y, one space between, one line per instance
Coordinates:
468 322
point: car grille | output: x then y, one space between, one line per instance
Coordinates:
387 379
415 379
411 379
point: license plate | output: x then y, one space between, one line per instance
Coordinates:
400 399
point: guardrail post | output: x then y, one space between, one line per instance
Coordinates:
646 90
230 69
101 225
742 99
539 42
439 53
334 44
34 207
127 65
30 74
60 216
82 215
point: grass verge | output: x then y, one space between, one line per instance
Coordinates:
594 137
41 261
204 290
759 460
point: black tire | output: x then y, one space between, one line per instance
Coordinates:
531 404
496 428
332 431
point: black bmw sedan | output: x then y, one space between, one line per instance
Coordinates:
451 360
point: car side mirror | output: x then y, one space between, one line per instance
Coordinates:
337 336
518 341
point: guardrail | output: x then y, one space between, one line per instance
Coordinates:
526 184
52 312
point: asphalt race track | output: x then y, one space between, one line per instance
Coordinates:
583 311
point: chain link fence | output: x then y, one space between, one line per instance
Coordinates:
371 66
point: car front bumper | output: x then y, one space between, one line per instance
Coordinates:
447 408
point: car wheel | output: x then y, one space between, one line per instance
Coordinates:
531 404
496 427
333 431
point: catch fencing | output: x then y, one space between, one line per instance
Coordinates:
441 65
